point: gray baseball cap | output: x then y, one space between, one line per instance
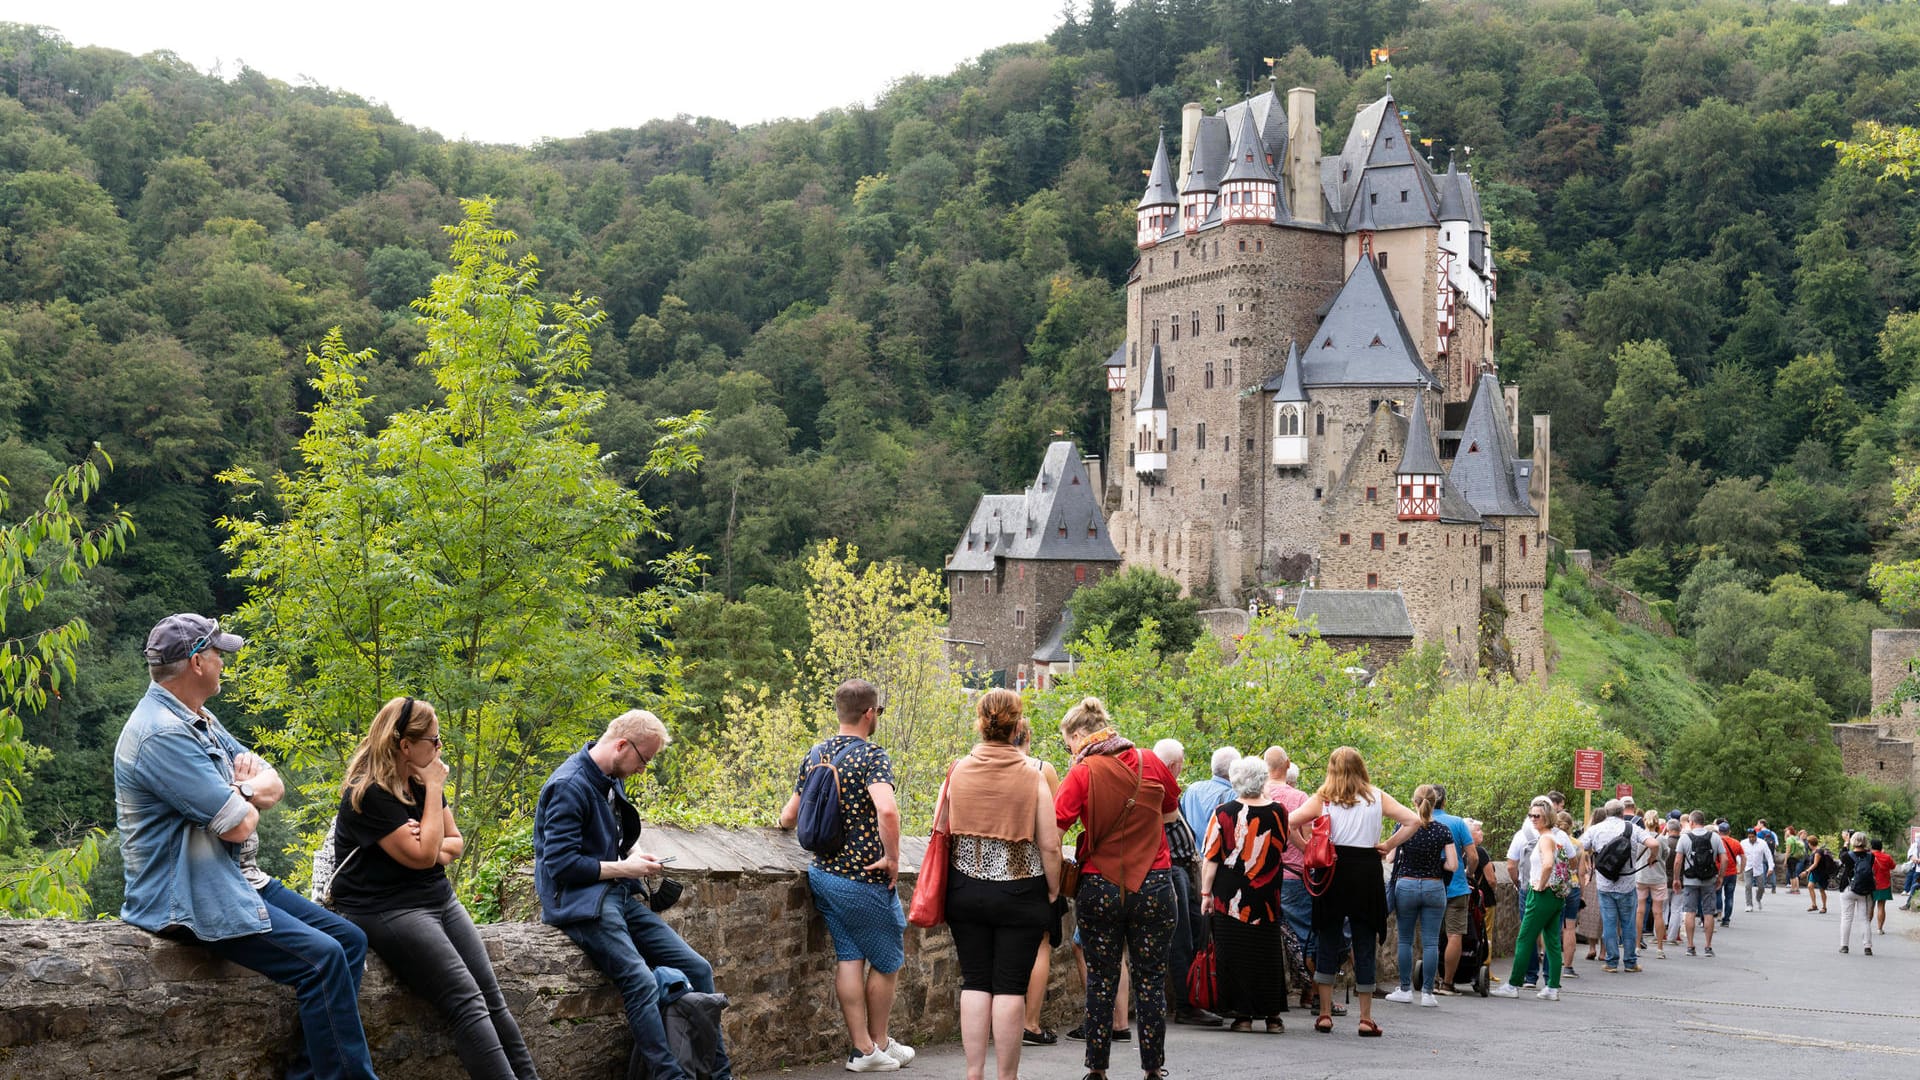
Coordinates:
177 637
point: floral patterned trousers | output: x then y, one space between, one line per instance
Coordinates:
1141 925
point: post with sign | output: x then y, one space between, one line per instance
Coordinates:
1589 770
1623 791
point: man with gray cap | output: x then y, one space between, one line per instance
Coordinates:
189 798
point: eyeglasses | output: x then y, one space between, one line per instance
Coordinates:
879 709
644 759
203 641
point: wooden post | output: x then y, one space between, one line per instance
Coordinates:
1587 814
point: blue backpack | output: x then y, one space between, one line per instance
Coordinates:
822 827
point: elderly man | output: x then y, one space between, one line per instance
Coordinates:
189 800
1189 925
587 867
1203 798
1296 904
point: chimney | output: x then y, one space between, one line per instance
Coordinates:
1511 392
1189 134
1096 477
1303 156
1540 482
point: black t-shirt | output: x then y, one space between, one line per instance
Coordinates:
373 881
1424 854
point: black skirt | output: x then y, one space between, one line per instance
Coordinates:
1250 960
1357 895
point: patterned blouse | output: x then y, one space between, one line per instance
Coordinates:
1244 844
990 859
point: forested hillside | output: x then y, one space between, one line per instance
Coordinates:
888 310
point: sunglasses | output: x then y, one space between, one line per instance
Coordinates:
203 641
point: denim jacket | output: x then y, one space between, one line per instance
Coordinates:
173 786
582 820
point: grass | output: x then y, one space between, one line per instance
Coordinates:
1641 682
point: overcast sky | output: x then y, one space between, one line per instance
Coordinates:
518 73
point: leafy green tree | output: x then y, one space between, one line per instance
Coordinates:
1742 519
1645 411
468 552
1766 753
397 276
1795 630
54 544
1122 603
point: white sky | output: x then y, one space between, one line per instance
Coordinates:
516 73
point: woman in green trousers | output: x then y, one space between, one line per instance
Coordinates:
1552 876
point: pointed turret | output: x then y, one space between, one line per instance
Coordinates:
1453 201
1150 421
1250 190
1200 188
1154 215
1418 473
1289 413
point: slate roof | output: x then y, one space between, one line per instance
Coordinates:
1054 649
1361 613
1484 467
1153 384
1160 189
1418 456
1363 341
1453 507
1286 385
1453 200
1028 525
1210 150
1119 357
1269 114
1248 157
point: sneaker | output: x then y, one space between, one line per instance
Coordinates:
1569 972
1610 969
1749 907
878 1061
1843 950
1549 993
898 1051
1709 950
1530 985
1077 1032
1197 1017
1867 950
1401 996
1633 968
1660 954
1043 1037
1504 990
1428 1001
1690 951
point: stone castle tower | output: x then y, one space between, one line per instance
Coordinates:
1307 389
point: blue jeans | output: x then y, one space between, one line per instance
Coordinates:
1424 900
626 943
1296 906
1913 876
1617 932
1727 882
321 956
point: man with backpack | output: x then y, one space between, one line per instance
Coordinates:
1696 866
844 811
1620 847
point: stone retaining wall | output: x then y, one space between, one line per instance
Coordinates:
104 1001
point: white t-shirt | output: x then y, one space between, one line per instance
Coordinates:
1357 825
1521 851
1597 838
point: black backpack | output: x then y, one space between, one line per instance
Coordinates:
822 826
1615 861
1702 864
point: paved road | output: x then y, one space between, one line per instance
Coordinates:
1778 999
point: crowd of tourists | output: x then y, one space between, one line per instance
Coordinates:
1219 905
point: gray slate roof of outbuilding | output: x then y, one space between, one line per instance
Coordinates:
1362 613
1343 351
1054 649
1028 525
1484 466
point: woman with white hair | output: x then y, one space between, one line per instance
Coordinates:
1240 889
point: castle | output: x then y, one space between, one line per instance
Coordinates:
1307 389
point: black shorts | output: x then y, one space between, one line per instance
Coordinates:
997 928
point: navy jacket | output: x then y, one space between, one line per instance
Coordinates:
582 820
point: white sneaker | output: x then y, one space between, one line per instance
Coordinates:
1401 996
878 1061
898 1051
1428 1001
1549 993
1505 990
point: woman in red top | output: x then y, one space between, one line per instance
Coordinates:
1882 885
1119 796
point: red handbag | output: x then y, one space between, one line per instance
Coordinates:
929 907
1318 858
1203 979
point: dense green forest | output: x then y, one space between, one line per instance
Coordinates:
885 311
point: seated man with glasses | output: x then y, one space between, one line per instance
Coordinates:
189 800
586 866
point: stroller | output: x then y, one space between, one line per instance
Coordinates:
1476 949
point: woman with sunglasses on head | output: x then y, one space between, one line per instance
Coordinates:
1552 877
393 840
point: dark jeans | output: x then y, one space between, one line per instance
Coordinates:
1189 933
1727 882
321 956
1141 925
440 956
627 942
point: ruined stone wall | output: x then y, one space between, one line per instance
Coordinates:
1519 573
1892 649
105 1001
1867 752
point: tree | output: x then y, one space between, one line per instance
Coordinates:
1766 753
54 544
1644 411
1124 602
470 552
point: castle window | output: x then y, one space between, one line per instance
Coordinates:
1319 423
1523 545
1176 260
1206 376
1079 574
1149 264
1020 572
1176 333
1249 443
1063 531
1203 480
1196 322
1403 194
959 585
1456 633
1378 542
1019 617
1156 331
1259 245
969 543
1316 498
1220 310
1486 554
1389 140
1523 601
1373 581
1174 436
1373 198
1381 259
1200 440
1345 539
1093 531
1403 539
1345 171
1243 245
1383 457
986 584
1373 493
1449 539
1226 374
